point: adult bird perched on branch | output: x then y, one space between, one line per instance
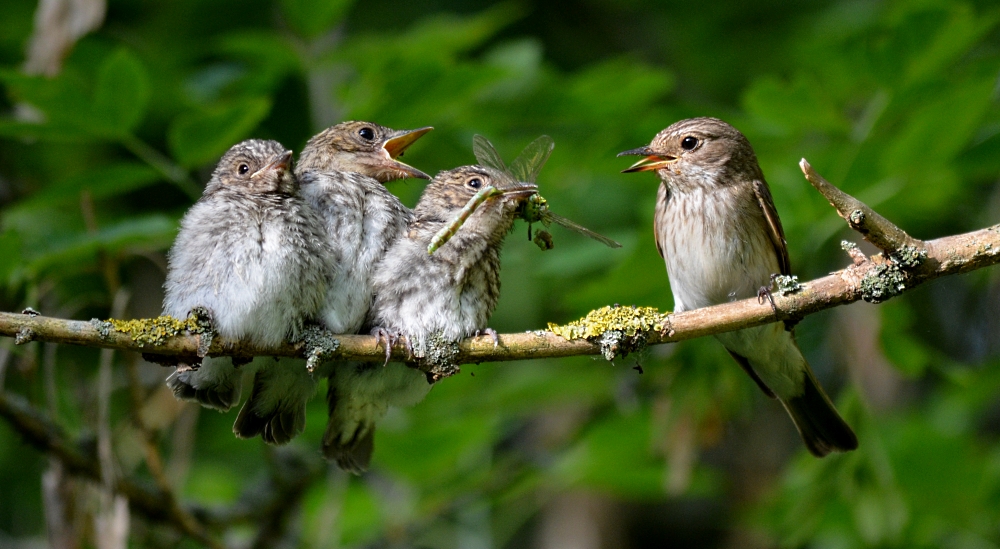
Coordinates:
431 300
252 253
718 232
342 171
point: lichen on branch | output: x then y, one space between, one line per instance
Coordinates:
618 330
611 331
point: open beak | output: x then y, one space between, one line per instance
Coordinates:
282 163
398 143
652 161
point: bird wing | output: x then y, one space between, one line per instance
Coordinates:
775 232
662 197
745 364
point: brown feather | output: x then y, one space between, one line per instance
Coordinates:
775 232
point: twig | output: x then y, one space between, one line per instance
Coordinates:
81 459
875 279
907 263
945 256
154 461
876 229
174 173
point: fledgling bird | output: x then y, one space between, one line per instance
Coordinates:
718 232
342 171
254 254
431 300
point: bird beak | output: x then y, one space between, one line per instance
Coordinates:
282 163
652 161
521 190
398 143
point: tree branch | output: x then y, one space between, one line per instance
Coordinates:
81 459
876 229
907 263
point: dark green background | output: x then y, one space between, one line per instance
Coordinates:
896 102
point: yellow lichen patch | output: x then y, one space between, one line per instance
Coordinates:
155 331
629 320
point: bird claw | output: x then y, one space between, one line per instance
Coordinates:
493 335
386 339
409 346
765 292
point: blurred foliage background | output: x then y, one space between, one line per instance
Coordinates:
897 102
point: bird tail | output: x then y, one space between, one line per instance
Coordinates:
348 441
354 454
358 397
821 427
276 408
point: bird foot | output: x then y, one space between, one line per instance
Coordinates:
409 346
387 339
765 292
204 320
493 335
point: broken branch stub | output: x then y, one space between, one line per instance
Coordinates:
881 232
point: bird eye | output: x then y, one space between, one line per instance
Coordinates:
689 143
475 182
243 169
367 133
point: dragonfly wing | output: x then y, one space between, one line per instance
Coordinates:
487 155
573 226
528 164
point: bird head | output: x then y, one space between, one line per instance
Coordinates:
696 149
256 166
362 147
451 190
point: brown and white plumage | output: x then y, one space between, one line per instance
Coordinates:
251 251
342 171
431 300
721 239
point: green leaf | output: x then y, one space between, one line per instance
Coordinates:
438 37
311 18
920 141
15 129
107 181
122 92
148 232
270 57
612 90
62 109
801 104
197 138
959 31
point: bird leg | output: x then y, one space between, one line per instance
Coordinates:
386 339
204 319
765 292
